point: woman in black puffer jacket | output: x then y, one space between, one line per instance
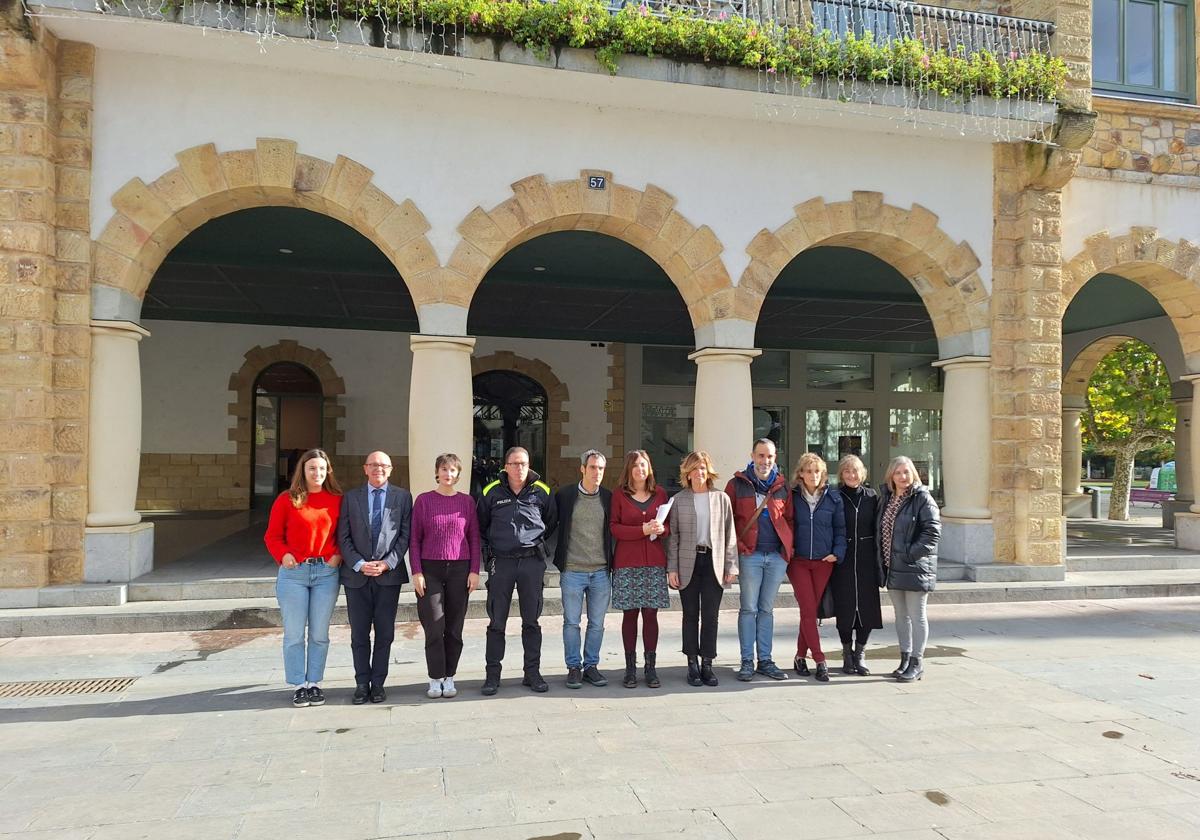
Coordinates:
909 529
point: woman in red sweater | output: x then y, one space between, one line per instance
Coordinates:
301 537
639 562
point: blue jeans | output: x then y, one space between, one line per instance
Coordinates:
307 595
598 588
759 577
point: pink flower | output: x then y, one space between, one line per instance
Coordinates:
722 16
925 61
1012 54
474 17
771 70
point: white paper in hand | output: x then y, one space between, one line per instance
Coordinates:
660 515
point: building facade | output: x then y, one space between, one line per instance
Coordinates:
227 240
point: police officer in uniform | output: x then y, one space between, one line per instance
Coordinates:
516 514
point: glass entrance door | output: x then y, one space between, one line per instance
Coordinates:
835 432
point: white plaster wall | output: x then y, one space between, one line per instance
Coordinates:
583 369
186 369
1091 207
450 149
185 383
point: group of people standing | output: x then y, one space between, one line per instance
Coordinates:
625 548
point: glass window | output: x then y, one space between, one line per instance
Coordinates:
1143 47
841 371
771 422
917 433
915 374
836 432
666 435
667 366
771 369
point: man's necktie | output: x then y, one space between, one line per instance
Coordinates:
376 516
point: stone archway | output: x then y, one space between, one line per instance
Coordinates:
646 219
151 219
559 470
1167 269
1075 380
241 409
944 273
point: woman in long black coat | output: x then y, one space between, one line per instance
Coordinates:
857 579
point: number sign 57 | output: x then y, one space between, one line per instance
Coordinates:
597 182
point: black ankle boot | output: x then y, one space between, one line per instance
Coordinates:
914 671
860 664
903 665
801 666
706 672
693 675
651 672
630 670
822 673
847 660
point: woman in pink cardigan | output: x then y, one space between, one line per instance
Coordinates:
443 552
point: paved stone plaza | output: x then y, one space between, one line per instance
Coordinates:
1038 720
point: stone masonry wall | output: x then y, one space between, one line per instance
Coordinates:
45 342
1027 282
1146 142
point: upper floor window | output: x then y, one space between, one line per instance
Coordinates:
1144 47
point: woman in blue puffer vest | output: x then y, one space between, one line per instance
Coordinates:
819 542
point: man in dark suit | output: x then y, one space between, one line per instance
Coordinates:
373 538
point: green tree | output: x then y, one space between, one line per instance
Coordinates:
1128 410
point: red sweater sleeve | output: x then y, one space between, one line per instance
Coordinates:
276 537
621 529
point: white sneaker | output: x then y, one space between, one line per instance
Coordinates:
435 689
448 689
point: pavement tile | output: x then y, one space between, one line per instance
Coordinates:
1116 792
547 803
819 817
910 774
372 787
660 825
1157 823
806 783
438 754
1001 767
450 813
1044 828
565 830
907 811
215 771
1019 799
360 822
53 834
232 799
733 757
84 809
673 794
213 828
813 753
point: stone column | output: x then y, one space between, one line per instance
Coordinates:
1184 490
1187 522
724 406
1075 501
440 407
117 546
966 463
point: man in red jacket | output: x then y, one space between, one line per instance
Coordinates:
762 516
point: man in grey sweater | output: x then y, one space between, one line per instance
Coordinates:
584 559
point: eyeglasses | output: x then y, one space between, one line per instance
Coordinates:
375 466
517 464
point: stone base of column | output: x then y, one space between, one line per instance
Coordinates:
1077 505
1169 509
1187 530
967 541
118 554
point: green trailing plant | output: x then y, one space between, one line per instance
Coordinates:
800 53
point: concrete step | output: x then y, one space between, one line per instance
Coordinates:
241 613
949 570
1133 562
1005 573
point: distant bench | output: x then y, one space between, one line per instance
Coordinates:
1154 497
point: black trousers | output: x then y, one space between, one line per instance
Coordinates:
442 610
372 606
526 575
701 601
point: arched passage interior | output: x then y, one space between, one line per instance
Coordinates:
847 364
573 307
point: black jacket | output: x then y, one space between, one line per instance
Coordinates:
856 582
564 506
913 566
512 524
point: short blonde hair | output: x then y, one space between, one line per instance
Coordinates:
852 462
808 459
698 458
897 462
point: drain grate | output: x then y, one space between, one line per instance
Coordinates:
64 688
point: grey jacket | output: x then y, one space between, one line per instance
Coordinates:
918 528
681 539
354 535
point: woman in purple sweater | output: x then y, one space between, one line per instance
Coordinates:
443 551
